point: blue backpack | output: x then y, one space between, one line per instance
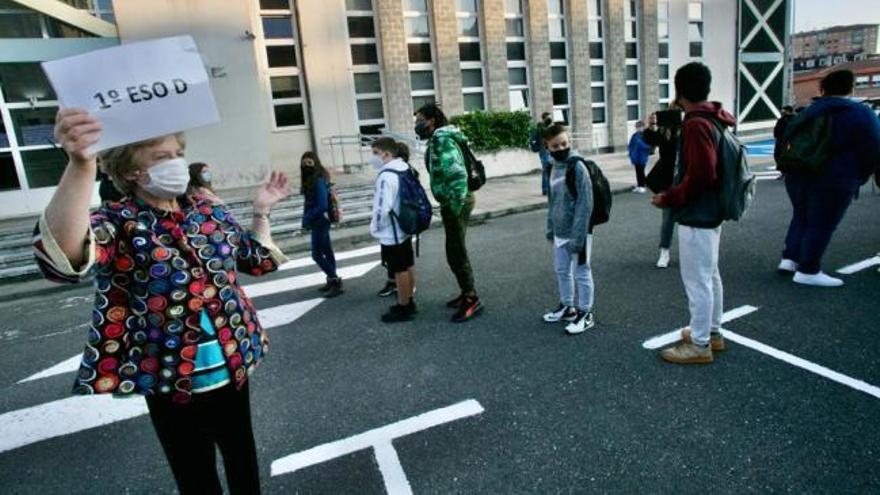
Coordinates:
415 209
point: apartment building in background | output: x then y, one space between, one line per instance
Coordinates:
827 47
296 75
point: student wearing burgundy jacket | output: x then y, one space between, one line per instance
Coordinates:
693 200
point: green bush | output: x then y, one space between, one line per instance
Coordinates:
493 131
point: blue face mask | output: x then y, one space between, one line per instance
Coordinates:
206 177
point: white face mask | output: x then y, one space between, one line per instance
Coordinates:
206 177
168 179
376 161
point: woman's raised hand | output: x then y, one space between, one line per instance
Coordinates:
76 130
274 190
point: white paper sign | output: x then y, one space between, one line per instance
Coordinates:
137 90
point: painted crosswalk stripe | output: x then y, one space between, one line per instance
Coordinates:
63 417
347 255
302 281
675 335
861 265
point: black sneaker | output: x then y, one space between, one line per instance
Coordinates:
398 313
389 289
327 286
470 306
455 303
335 288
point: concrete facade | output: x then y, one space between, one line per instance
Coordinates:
615 73
448 62
396 65
496 55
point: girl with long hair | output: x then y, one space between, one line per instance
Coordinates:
315 187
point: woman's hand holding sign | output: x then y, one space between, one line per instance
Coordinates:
76 130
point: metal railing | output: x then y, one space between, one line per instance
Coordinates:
343 147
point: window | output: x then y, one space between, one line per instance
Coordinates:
631 38
470 53
695 28
596 35
17 21
556 19
417 21
517 68
368 95
279 37
862 81
663 49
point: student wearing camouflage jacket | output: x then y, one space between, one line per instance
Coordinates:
445 162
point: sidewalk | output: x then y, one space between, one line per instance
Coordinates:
500 196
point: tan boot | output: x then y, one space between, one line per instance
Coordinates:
687 353
716 340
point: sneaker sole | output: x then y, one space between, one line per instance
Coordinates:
473 313
697 360
578 332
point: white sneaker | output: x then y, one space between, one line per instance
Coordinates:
819 280
663 260
639 190
787 265
581 324
563 312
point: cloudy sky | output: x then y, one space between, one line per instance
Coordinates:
818 14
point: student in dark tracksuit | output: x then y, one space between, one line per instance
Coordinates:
316 217
819 202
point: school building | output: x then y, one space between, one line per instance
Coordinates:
296 75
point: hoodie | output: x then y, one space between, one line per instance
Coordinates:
638 149
316 205
385 200
855 141
567 217
444 160
697 169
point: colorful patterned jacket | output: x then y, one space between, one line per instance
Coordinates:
445 161
154 272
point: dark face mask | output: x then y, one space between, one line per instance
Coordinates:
422 130
561 155
548 122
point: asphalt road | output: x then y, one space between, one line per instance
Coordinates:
561 414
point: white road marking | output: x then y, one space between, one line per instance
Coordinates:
675 335
270 318
66 366
63 417
803 364
392 471
767 175
302 281
379 440
347 255
73 414
861 265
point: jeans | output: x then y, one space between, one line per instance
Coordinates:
189 434
698 258
322 249
816 213
456 248
569 274
667 227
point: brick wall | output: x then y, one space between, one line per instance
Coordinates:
447 62
615 53
648 57
539 58
579 64
495 49
395 60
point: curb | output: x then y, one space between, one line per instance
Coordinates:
345 242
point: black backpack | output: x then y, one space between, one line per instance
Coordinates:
476 171
806 146
602 197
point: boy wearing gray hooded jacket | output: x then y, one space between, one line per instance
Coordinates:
568 227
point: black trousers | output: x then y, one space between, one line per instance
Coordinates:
640 176
190 432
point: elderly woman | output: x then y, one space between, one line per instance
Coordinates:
170 320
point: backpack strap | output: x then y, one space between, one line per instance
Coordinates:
571 174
